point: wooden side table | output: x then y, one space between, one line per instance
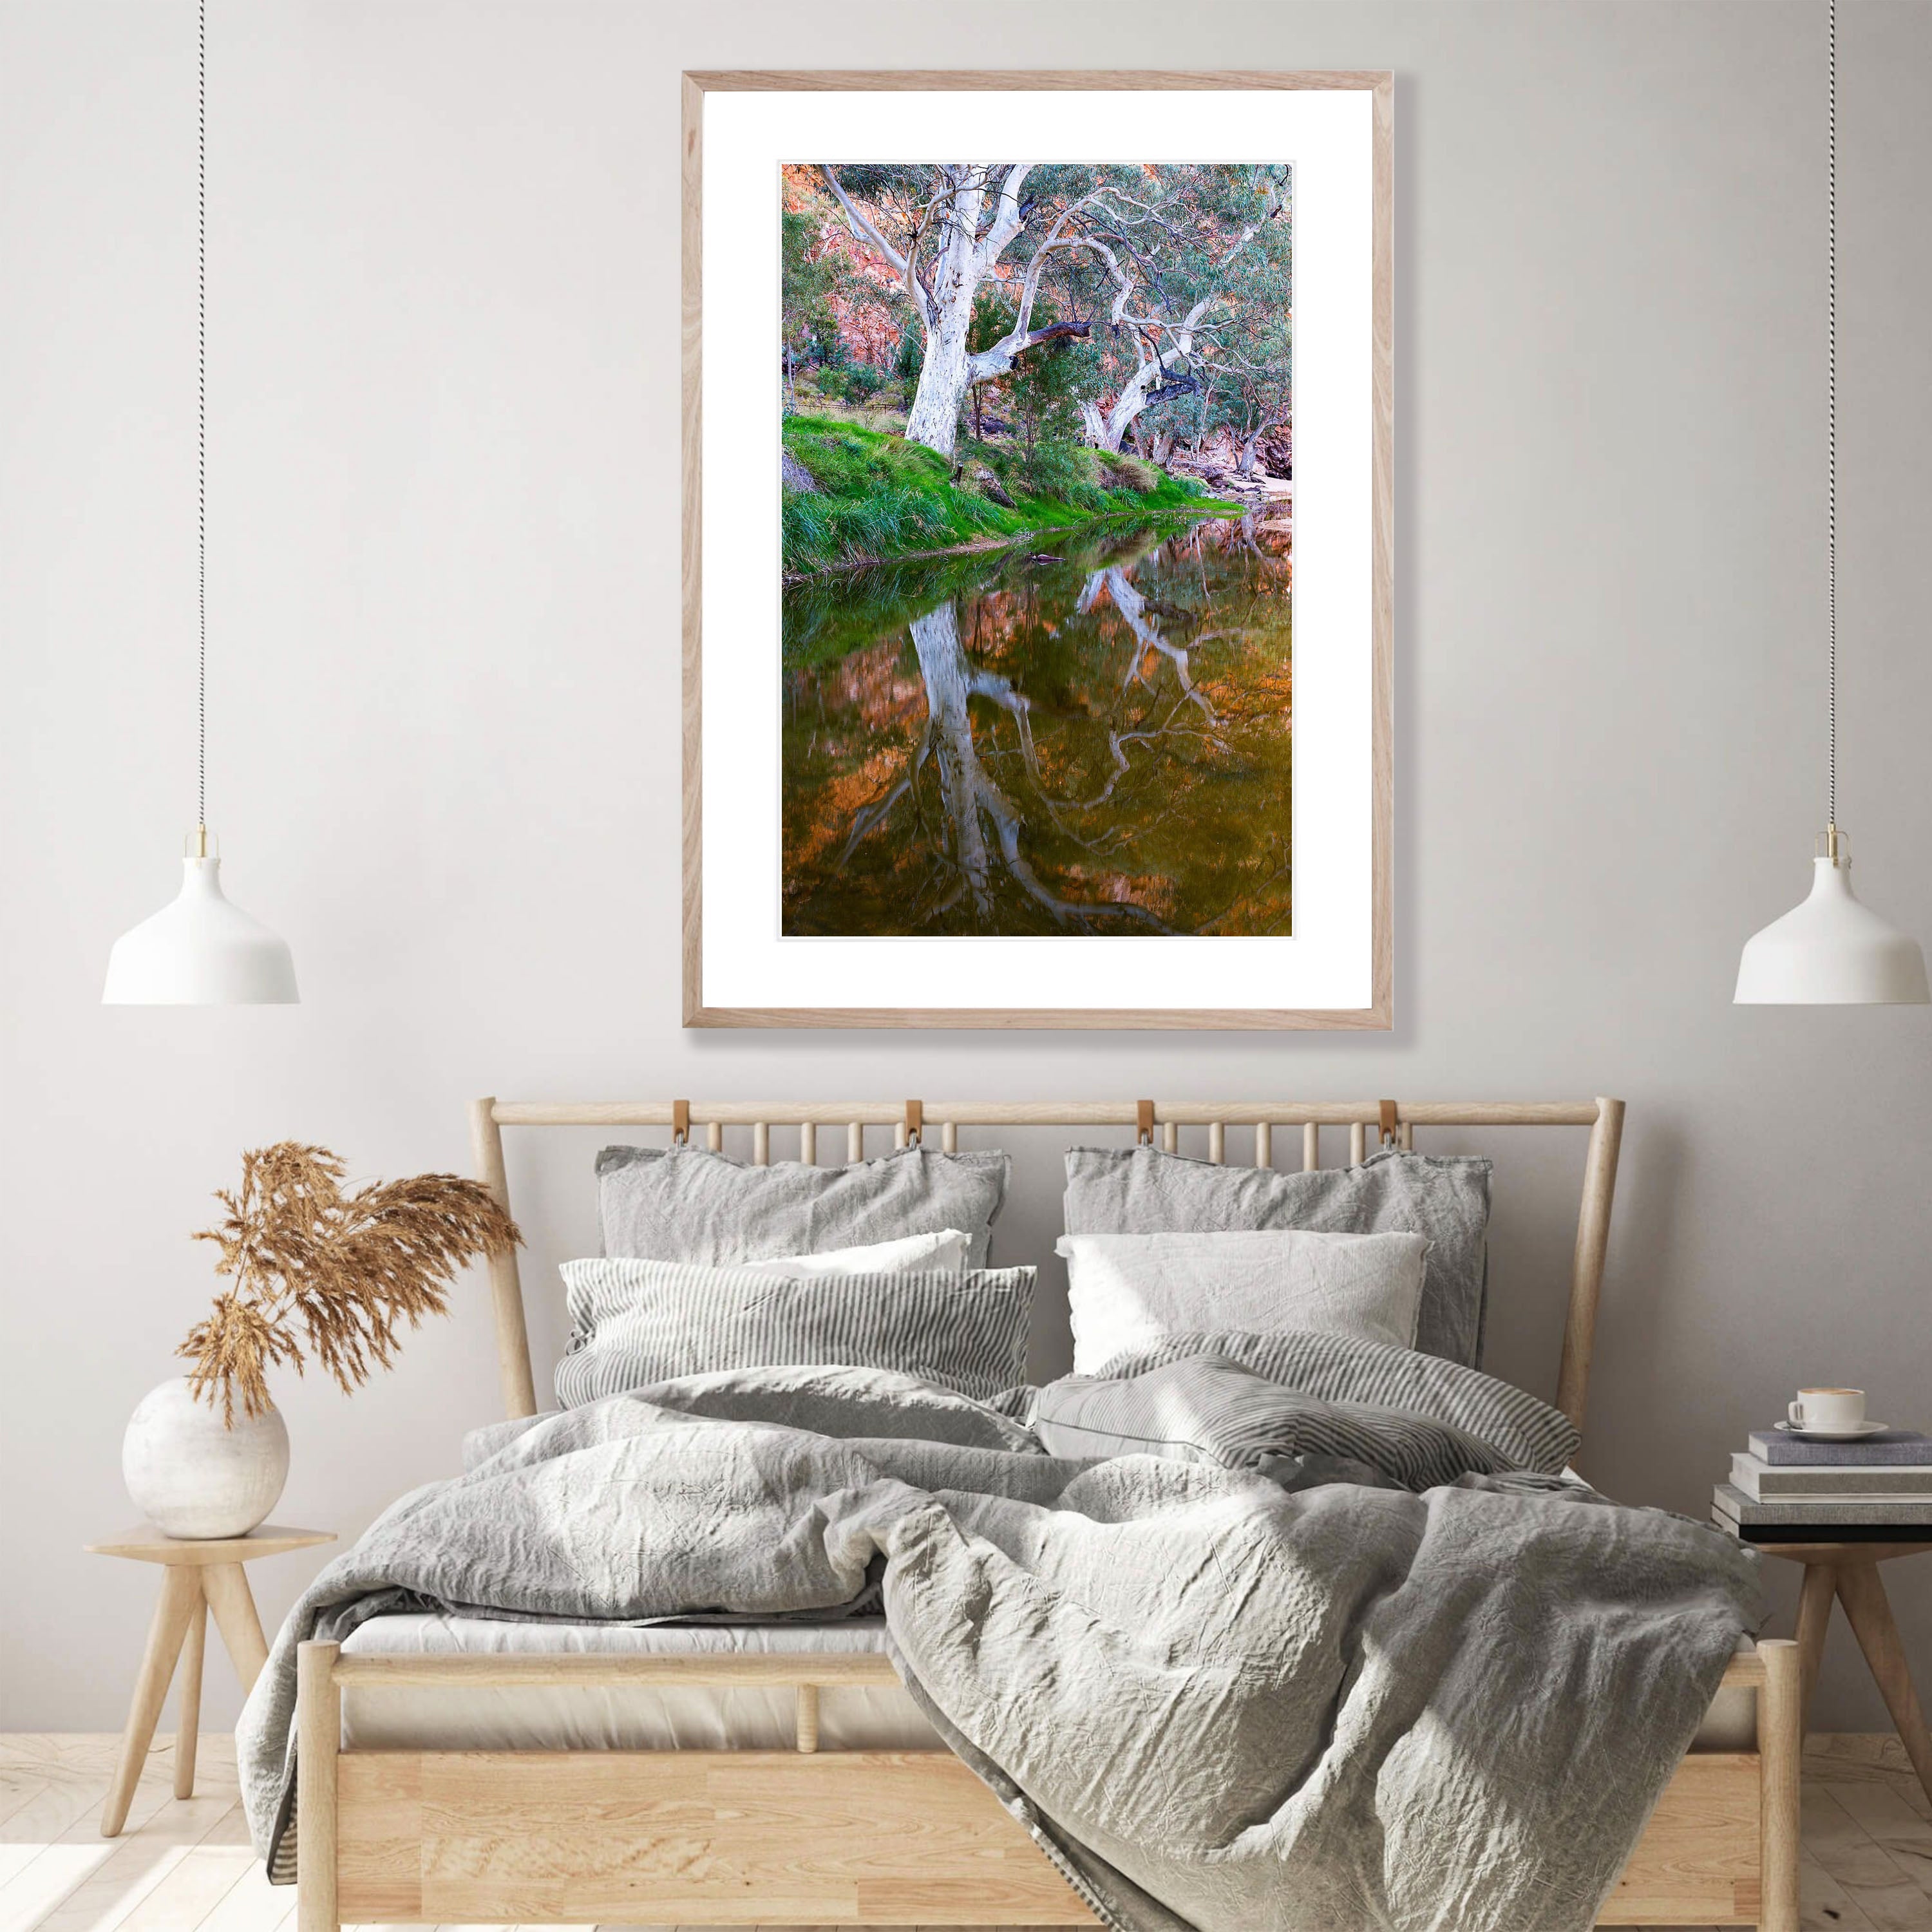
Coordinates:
1846 1572
198 1577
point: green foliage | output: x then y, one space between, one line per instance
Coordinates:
879 497
992 317
1073 472
1062 470
1042 390
810 330
853 382
1047 382
887 186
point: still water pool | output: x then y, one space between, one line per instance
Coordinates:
1086 734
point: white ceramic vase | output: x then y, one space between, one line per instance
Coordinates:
192 1477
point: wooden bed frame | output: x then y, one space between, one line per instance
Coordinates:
750 1838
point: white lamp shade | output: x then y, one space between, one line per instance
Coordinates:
200 951
1830 951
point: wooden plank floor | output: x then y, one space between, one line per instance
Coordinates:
184 1866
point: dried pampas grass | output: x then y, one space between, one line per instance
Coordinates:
338 1272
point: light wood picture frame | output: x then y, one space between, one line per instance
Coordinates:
1334 968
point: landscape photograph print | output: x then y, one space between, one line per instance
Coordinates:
1036 494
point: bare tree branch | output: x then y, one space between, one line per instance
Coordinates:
865 230
990 363
1008 215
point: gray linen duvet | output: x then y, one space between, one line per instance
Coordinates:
1218 1698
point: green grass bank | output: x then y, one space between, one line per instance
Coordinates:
878 496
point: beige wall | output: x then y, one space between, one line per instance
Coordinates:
443 498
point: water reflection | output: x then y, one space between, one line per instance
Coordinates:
1091 739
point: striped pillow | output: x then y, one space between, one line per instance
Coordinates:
636 1322
1525 1432
1206 1408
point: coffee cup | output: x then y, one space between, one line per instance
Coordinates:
1830 1411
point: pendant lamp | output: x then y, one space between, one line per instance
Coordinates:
1830 950
200 950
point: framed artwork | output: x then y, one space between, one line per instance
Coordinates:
1037 550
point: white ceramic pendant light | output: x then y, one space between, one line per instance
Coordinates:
1830 950
200 950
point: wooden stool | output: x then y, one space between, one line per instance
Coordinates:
200 1577
1847 1573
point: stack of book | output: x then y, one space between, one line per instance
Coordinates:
1785 1488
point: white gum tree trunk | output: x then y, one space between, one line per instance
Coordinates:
943 376
942 663
944 297
1107 430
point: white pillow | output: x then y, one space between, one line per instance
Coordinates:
1128 1290
942 1253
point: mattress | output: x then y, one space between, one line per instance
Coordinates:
631 1716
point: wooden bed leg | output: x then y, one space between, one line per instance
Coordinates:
1780 1747
318 1736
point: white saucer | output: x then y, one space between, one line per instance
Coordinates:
1854 1435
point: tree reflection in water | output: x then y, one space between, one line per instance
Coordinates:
1091 745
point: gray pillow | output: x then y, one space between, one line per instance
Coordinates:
686 1204
1143 1191
1209 1408
633 1323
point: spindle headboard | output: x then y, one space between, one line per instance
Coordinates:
1394 1123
